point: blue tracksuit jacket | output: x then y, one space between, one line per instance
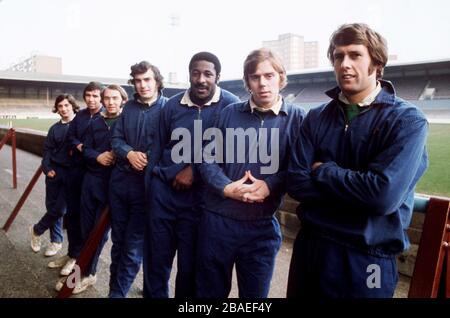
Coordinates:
363 194
136 130
77 133
217 175
175 116
56 147
98 140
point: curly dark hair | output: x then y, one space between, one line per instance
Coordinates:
144 66
72 101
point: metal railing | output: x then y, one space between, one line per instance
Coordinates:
11 135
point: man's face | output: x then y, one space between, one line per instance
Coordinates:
203 78
113 101
146 86
93 100
264 84
354 71
65 110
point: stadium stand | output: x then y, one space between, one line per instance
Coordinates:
25 108
291 91
24 95
409 88
441 85
313 92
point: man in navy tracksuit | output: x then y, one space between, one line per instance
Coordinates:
354 171
133 143
76 136
55 165
99 160
246 183
175 205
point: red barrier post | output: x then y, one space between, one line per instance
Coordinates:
22 199
5 139
432 253
11 134
88 251
447 254
13 153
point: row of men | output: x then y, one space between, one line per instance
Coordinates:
353 163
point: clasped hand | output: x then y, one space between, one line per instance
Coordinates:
106 158
256 191
137 159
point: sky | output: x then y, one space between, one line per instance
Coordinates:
105 37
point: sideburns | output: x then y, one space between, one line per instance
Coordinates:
374 68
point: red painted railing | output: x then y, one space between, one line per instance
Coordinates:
87 253
431 276
22 199
11 134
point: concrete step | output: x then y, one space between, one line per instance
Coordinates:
30 266
17 279
18 236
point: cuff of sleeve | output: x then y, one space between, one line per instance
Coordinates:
126 149
220 185
95 156
319 171
271 183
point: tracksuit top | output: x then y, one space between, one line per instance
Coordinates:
363 194
77 133
175 115
56 147
136 130
218 175
97 141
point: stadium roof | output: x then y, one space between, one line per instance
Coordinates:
60 78
396 63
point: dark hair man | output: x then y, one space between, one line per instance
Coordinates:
354 170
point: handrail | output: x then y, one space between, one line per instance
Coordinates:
433 252
11 135
88 251
421 203
22 199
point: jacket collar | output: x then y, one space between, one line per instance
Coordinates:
274 109
386 96
245 107
138 100
186 100
368 100
104 114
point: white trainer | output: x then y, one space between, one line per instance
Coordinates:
84 284
59 262
52 249
60 283
67 269
35 241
